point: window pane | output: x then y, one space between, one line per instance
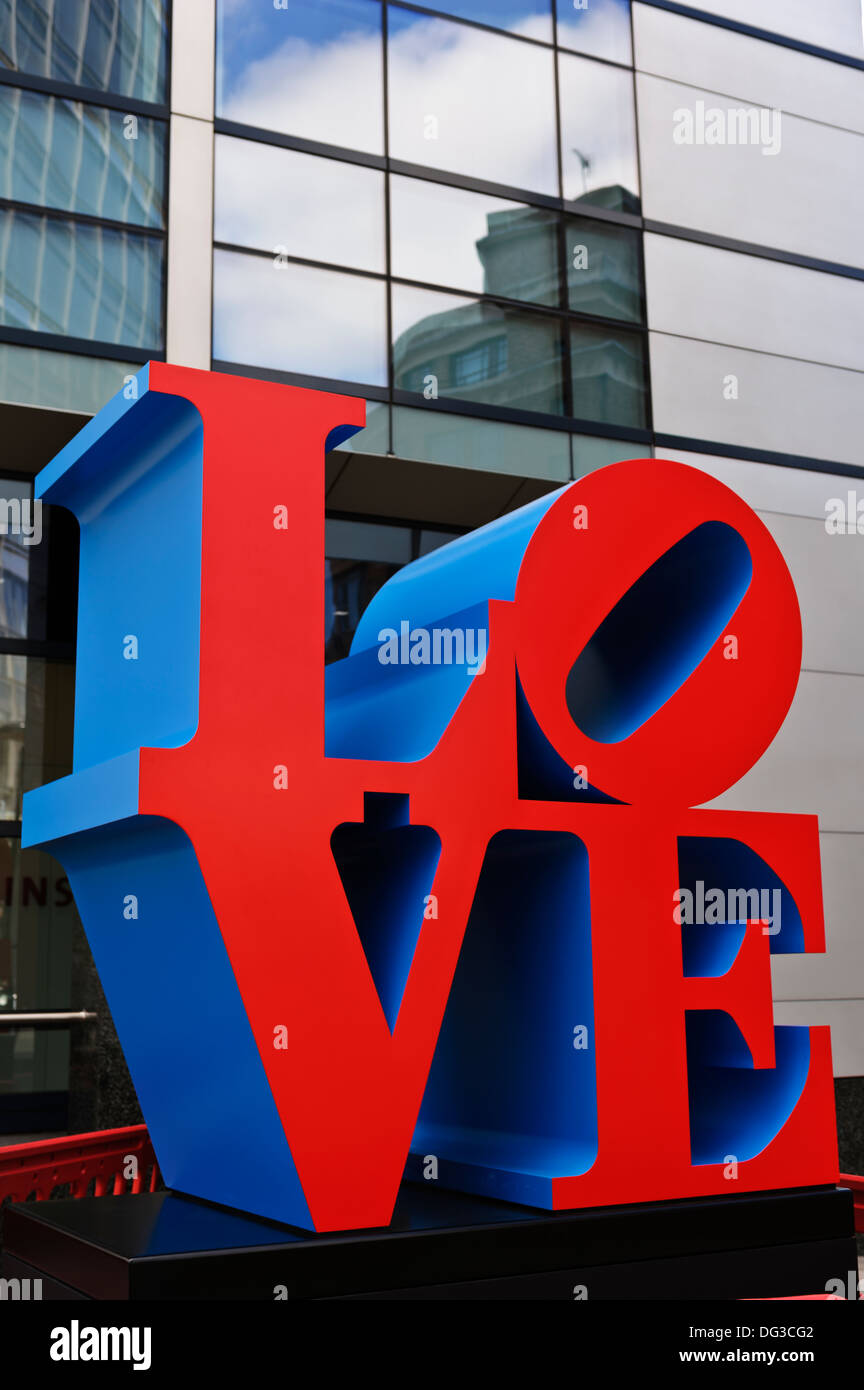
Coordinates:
604 269
476 351
830 24
360 557
296 318
532 18
431 436
36 707
723 296
447 236
733 190
63 154
87 282
270 198
116 45
452 102
758 73
433 540
19 531
598 134
59 380
591 452
608 373
367 540
374 438
50 705
38 567
600 27
312 70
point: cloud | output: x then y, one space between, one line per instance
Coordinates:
319 209
298 319
461 98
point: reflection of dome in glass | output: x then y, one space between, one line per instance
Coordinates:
483 351
519 255
479 350
520 261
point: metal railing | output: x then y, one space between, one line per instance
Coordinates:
46 1018
114 1160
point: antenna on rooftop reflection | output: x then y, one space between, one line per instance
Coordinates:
585 162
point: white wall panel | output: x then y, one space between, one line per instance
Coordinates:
719 60
832 24
767 487
701 291
838 973
782 404
193 55
814 763
189 298
828 573
846 1020
808 198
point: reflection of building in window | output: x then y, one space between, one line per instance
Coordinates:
417 378
479 363
519 255
512 356
447 342
349 587
607 285
14 573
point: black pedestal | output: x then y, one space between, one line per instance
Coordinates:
441 1245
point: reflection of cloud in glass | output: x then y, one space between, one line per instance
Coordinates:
299 319
603 29
318 209
461 98
504 14
470 241
480 104
314 71
598 133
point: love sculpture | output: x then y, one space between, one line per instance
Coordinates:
436 916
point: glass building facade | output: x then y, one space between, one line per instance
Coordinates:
482 218
438 238
83 189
